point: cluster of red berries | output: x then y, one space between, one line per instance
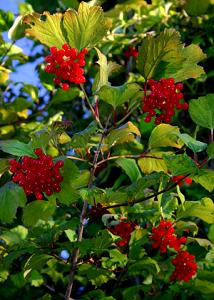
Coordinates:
164 235
124 230
37 175
131 52
66 64
164 98
185 265
178 179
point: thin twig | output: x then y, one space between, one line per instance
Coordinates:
6 52
131 203
127 156
82 216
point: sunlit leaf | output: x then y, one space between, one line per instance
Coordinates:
17 148
206 179
165 135
153 162
86 27
46 28
118 95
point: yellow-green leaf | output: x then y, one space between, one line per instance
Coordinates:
46 28
165 135
4 75
86 27
153 162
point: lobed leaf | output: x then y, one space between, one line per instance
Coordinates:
86 27
46 28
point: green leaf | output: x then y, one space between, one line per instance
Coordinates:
196 7
164 48
15 235
136 244
124 134
145 264
188 68
35 278
195 146
7 131
206 179
210 150
37 210
202 111
204 287
17 148
71 235
86 27
153 162
116 260
180 164
211 233
32 91
4 74
95 275
35 262
187 226
17 31
101 78
69 193
203 210
165 56
105 70
46 28
118 95
130 167
12 196
165 135
4 165
81 139
65 96
202 242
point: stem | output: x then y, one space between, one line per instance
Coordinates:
6 52
128 114
115 117
148 197
127 156
90 106
82 217
211 135
77 158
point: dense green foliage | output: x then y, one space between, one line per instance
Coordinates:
117 167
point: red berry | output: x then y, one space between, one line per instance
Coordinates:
188 180
38 151
59 164
65 86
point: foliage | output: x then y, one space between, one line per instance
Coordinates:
94 238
